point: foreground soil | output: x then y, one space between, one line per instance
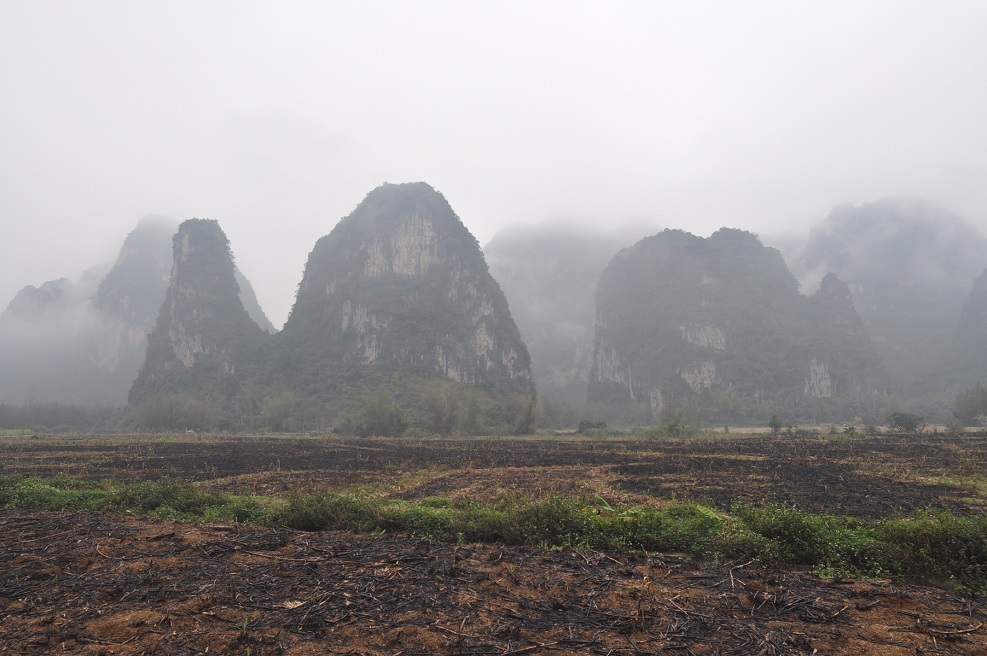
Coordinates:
99 584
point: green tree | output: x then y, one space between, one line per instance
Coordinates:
525 423
279 411
442 409
775 424
471 423
905 422
381 417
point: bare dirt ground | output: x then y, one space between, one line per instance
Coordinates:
96 584
869 477
100 584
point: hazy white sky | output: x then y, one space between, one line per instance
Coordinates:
276 118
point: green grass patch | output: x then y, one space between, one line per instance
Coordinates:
16 432
936 547
167 499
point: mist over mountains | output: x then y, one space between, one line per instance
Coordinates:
399 322
910 265
717 326
84 342
549 274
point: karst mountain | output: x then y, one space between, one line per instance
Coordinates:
396 314
399 325
717 327
84 341
910 265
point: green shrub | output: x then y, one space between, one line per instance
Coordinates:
938 545
35 493
800 538
587 425
905 422
419 521
554 521
686 527
325 511
167 498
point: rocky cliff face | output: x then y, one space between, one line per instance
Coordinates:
401 284
719 323
202 333
909 265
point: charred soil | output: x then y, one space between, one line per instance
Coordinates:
92 583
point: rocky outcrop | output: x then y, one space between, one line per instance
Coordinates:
400 284
719 323
203 333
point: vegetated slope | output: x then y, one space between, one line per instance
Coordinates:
84 342
718 327
909 264
396 315
548 274
964 361
400 288
203 333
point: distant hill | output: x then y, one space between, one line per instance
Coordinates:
84 342
717 327
964 359
549 273
909 265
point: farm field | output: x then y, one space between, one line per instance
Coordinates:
95 583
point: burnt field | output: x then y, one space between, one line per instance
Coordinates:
869 477
94 583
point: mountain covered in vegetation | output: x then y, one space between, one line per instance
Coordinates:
909 265
397 298
402 283
397 321
717 328
203 334
84 341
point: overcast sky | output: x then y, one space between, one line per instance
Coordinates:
276 118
